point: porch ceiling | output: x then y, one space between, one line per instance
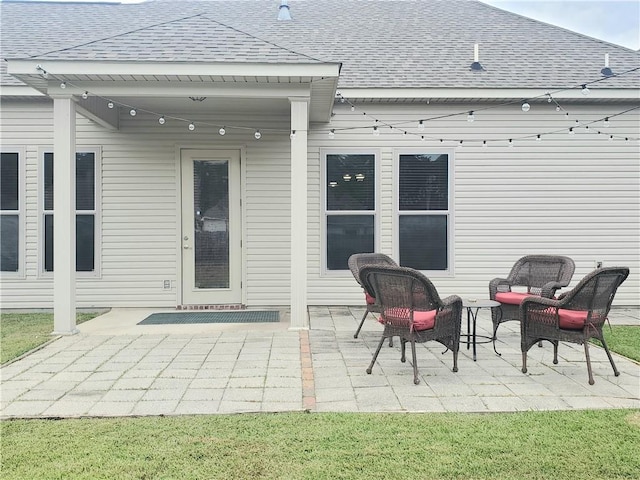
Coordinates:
168 86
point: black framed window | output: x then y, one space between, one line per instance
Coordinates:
86 168
424 211
350 206
10 212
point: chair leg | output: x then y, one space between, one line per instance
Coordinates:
416 380
524 362
555 353
403 348
586 354
606 349
361 323
455 360
495 331
375 355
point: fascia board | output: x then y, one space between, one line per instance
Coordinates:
488 93
139 68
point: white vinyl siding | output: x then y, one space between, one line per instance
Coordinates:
577 196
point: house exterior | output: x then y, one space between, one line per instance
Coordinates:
208 153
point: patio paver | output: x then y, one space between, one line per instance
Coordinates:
323 369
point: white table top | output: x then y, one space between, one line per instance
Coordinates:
479 303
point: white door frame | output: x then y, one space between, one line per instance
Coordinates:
190 295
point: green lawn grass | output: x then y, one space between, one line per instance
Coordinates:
623 339
21 332
528 445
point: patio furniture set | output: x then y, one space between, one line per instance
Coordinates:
409 307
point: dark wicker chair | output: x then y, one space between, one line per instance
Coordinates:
541 275
356 262
412 310
576 316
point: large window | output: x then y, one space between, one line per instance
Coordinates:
86 210
350 206
424 215
10 204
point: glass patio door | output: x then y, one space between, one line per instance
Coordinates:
211 227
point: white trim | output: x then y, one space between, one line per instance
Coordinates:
21 212
450 271
136 67
377 214
487 93
19 91
97 212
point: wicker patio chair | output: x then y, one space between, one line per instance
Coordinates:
541 275
356 262
576 316
412 310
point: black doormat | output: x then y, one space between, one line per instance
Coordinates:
245 316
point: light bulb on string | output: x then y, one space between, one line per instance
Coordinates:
63 85
526 107
257 135
222 130
484 144
585 90
192 126
161 120
471 117
571 132
460 144
110 105
133 112
376 132
606 123
421 125
510 142
332 133
85 95
353 108
422 138
538 138
292 135
557 108
611 138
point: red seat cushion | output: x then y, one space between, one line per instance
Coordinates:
370 300
422 320
511 298
572 319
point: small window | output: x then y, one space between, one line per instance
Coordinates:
10 212
86 183
350 209
424 219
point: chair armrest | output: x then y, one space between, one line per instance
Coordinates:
495 284
549 289
452 300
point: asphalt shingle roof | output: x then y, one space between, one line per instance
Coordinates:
380 43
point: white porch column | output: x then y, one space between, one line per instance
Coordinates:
299 124
64 216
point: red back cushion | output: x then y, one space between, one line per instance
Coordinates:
370 300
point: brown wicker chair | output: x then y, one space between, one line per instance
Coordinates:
542 275
412 310
356 262
576 316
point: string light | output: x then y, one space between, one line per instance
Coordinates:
353 108
421 125
471 117
192 126
376 132
585 90
110 105
161 120
571 132
133 112
484 144
292 135
63 85
222 131
606 123
332 133
610 138
460 144
85 95
510 142
538 138
526 107
257 135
